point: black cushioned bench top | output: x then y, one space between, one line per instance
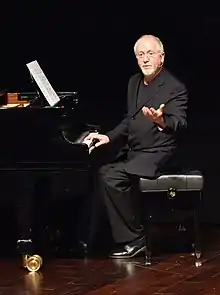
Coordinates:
192 181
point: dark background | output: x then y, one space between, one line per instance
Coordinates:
87 46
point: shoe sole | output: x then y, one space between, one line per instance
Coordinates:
131 256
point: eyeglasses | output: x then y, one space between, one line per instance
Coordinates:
149 54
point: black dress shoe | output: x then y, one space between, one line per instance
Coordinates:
130 250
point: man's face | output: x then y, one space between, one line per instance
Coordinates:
149 57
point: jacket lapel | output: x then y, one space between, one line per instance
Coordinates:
134 94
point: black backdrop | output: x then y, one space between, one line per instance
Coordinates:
87 46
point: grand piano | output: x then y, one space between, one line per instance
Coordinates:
36 137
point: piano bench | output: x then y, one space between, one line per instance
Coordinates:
182 191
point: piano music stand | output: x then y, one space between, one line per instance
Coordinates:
67 99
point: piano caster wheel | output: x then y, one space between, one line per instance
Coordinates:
32 263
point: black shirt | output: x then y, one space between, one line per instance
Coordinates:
135 129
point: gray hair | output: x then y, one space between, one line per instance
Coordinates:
159 42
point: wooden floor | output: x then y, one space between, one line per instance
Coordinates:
171 274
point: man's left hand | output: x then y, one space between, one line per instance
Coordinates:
155 115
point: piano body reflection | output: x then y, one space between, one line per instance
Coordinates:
41 137
37 137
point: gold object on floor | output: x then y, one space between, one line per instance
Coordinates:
32 263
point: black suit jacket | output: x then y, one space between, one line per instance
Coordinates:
151 148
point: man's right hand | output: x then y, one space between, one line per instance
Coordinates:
99 139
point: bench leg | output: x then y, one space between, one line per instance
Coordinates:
197 242
148 240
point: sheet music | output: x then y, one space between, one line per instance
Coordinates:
43 83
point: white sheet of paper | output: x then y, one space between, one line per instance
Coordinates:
43 83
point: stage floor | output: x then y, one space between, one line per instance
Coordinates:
171 274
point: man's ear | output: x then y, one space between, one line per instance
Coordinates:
162 58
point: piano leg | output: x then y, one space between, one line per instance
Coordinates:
97 223
25 205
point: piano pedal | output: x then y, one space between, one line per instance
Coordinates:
31 262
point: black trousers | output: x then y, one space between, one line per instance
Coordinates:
117 192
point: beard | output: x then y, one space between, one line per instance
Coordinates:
148 71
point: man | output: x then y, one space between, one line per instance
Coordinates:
156 114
